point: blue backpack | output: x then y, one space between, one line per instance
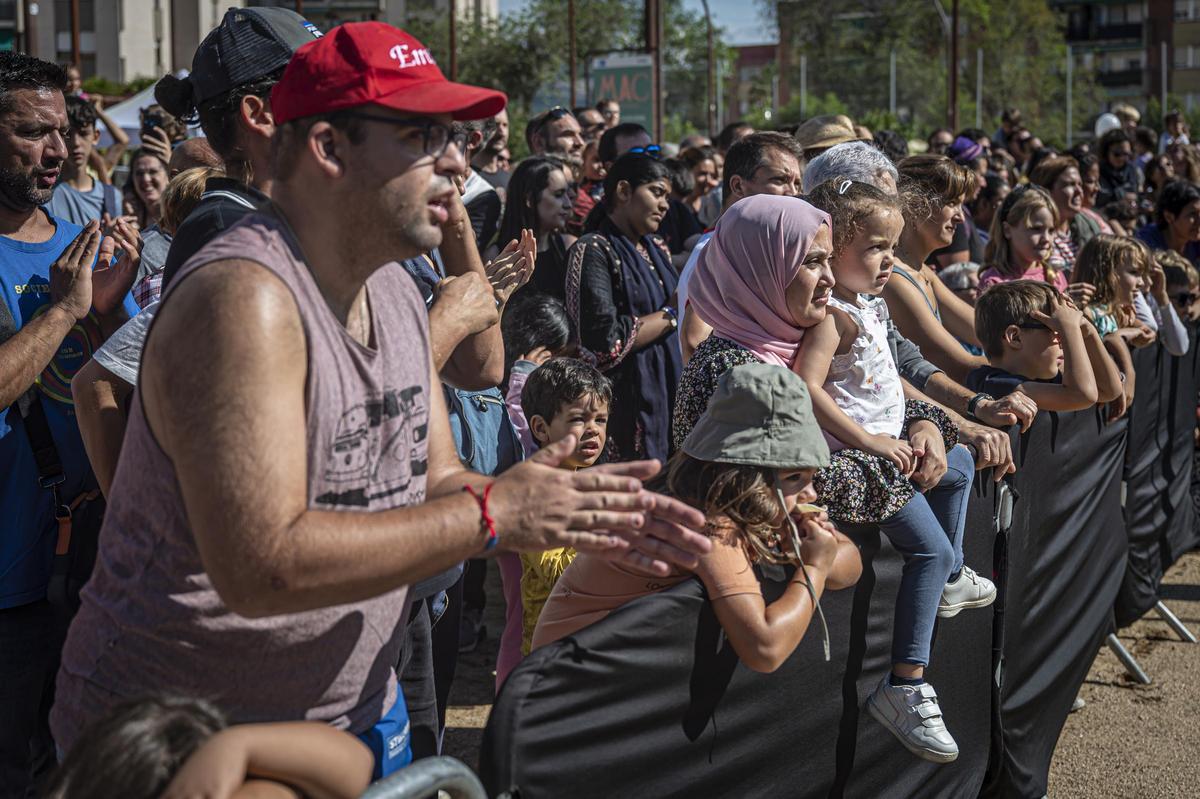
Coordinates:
483 434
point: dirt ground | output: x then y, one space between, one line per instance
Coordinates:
1140 741
1131 741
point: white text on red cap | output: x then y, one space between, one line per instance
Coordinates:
407 57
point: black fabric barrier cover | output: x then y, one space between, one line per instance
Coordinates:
1066 558
1159 516
652 702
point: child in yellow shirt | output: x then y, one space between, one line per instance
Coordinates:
563 397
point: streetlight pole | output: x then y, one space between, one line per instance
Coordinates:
75 34
712 73
654 45
453 40
571 47
30 33
954 66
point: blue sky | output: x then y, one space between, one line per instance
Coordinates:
739 18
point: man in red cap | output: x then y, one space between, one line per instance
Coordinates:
275 498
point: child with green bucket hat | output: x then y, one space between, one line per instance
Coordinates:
748 464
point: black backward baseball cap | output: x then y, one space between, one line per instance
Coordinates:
249 44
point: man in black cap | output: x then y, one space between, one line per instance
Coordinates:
229 90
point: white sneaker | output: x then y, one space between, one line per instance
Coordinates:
912 714
968 591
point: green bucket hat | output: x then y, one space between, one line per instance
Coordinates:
760 415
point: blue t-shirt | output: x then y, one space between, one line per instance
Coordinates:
1152 236
28 531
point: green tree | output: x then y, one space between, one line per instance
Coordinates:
525 52
848 57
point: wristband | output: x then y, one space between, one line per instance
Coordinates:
973 403
672 316
486 523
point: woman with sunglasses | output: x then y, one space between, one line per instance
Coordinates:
1119 177
540 198
620 293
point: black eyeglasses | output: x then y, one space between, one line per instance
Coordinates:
1031 325
435 137
1121 153
652 150
1186 297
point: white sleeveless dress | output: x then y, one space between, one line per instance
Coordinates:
864 382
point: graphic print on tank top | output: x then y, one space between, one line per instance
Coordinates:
363 466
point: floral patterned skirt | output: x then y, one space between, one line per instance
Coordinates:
859 488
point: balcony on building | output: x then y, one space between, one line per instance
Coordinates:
1119 78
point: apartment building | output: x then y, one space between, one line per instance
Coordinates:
1125 42
126 39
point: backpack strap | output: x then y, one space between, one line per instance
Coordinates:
37 431
112 200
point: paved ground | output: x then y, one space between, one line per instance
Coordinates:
1130 741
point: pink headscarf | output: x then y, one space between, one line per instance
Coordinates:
743 273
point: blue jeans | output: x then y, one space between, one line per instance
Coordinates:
928 532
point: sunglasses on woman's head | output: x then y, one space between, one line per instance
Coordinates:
652 150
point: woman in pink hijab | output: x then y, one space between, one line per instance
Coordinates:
762 279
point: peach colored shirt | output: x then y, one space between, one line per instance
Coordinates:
592 587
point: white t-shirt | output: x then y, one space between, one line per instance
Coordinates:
474 187
122 353
688 269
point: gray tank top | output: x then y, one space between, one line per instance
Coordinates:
150 619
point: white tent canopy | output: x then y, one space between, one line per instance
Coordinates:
126 114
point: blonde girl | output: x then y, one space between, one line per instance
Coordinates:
1021 246
1119 269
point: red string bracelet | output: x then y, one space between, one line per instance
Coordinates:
486 522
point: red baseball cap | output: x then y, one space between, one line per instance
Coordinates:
361 63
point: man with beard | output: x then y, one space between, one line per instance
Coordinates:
279 493
490 161
556 132
47 330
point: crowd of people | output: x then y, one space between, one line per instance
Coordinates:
276 404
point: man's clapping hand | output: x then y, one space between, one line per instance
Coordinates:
603 510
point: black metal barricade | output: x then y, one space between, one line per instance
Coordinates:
1160 519
1065 561
653 702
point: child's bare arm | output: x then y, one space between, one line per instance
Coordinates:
817 350
847 565
1108 369
317 760
764 636
265 789
692 332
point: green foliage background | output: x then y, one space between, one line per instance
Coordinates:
525 54
848 45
